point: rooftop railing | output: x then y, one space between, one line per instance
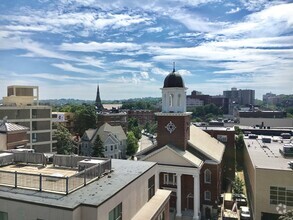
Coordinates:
54 183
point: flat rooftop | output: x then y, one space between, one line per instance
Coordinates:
93 194
267 155
39 169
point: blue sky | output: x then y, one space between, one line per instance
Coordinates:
67 47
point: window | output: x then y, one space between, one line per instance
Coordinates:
281 195
222 138
162 216
3 215
170 179
171 100
179 100
151 187
111 147
207 195
34 137
116 213
106 148
207 176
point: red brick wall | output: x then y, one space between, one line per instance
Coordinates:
214 187
179 136
16 139
229 154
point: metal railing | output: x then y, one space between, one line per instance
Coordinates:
53 183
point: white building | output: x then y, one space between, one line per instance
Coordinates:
118 189
113 138
21 107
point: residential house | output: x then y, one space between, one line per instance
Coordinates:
112 137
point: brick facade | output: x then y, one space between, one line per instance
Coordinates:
179 136
229 154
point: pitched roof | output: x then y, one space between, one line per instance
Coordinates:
107 129
205 144
10 127
171 153
90 133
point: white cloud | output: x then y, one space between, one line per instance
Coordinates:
99 47
144 75
154 29
159 71
134 64
70 68
272 21
233 10
184 72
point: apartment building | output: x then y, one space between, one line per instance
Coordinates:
106 190
269 175
21 106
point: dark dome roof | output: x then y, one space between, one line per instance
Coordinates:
173 80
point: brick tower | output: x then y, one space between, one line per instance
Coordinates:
173 121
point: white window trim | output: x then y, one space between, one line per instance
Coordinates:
205 176
207 198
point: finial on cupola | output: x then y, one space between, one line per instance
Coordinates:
174 67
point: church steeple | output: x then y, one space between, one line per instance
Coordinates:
173 121
98 102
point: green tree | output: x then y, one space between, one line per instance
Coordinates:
98 148
132 144
240 145
237 130
85 118
64 143
151 127
134 127
237 186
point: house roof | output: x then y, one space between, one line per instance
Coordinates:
90 133
11 127
170 154
205 144
104 131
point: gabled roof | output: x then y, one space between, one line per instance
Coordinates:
205 144
173 155
89 134
107 129
11 127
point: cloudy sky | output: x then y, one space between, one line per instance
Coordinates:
67 47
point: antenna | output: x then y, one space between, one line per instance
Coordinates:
173 66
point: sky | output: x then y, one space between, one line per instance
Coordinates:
68 47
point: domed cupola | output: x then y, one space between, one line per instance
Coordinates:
173 79
173 93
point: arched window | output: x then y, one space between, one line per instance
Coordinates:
179 100
171 100
207 176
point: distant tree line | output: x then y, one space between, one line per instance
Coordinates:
206 112
145 103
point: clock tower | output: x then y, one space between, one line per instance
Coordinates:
173 121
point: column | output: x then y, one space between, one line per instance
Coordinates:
178 202
196 197
157 180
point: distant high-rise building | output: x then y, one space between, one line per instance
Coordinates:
21 107
198 99
98 102
240 96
